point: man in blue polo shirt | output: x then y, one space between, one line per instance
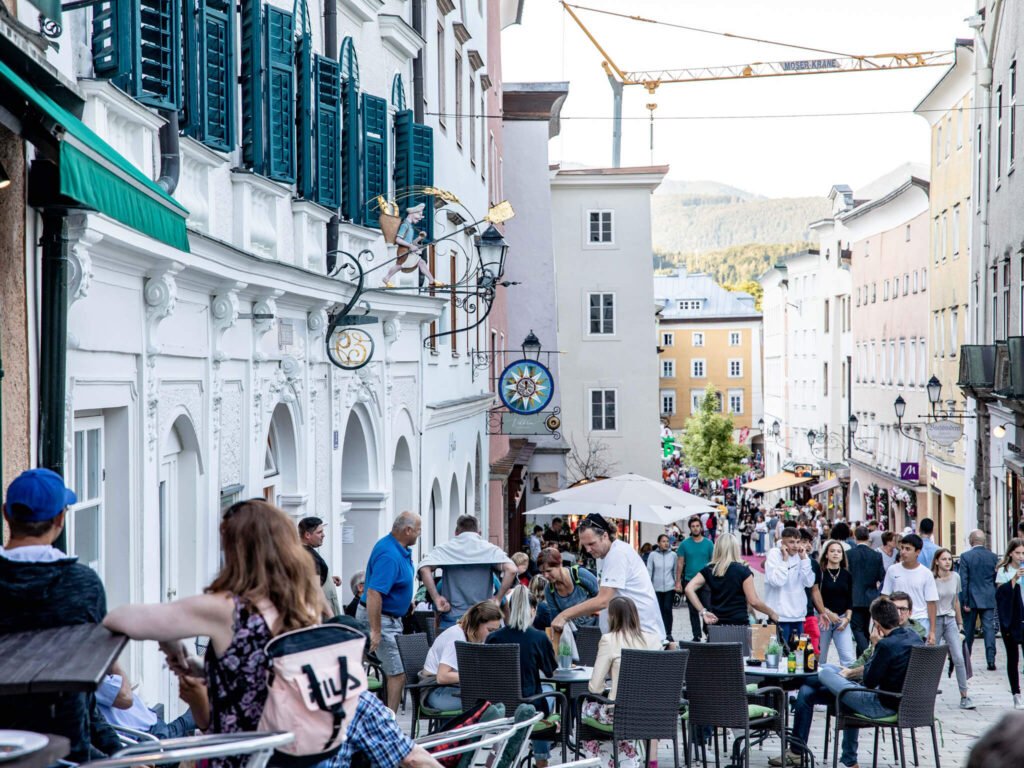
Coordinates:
387 597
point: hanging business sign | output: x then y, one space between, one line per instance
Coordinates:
350 348
944 431
910 472
540 423
525 386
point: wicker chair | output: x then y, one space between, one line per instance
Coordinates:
413 651
916 704
491 673
717 697
587 640
426 622
721 633
643 711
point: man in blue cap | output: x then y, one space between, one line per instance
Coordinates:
41 588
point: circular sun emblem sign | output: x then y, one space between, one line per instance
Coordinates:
525 386
350 348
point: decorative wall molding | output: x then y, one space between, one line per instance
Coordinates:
160 294
82 239
223 315
266 305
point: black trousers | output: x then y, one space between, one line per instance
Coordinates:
703 594
1012 660
665 606
860 623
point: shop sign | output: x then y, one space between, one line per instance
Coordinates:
910 471
944 432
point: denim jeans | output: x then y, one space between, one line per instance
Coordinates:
946 631
181 726
867 704
788 628
445 698
988 630
542 749
446 621
811 693
926 624
843 640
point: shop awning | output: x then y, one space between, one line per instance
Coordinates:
825 485
777 482
92 173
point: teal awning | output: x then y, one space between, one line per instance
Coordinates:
96 176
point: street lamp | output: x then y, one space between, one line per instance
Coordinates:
776 428
492 249
999 431
531 346
934 388
811 435
853 423
760 425
900 406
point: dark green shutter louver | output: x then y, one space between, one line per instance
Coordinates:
414 166
327 78
279 33
305 176
251 20
210 72
137 45
375 156
351 178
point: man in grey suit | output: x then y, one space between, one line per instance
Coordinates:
868 574
978 594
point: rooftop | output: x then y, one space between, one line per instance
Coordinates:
703 297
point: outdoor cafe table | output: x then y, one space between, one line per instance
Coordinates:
573 683
779 676
70 659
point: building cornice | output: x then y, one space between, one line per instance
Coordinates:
449 411
399 37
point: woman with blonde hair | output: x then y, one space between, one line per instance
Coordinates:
623 632
442 662
730 587
265 587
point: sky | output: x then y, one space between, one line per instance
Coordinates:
787 156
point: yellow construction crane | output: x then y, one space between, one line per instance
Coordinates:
828 63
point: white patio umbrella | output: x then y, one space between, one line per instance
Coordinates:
632 492
643 513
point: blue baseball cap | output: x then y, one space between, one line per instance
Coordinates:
41 491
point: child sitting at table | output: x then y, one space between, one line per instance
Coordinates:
624 632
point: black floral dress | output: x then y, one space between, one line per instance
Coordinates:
237 680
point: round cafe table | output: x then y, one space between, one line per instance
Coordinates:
573 682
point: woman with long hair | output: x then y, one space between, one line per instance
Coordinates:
1011 613
949 621
832 595
538 585
567 586
731 587
442 662
265 587
536 655
623 632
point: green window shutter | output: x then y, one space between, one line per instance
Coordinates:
327 79
210 72
375 156
414 165
279 35
137 45
252 85
351 176
305 175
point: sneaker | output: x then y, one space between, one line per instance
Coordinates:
966 703
792 758
991 666
1018 701
388 284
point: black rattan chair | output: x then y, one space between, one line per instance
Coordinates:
646 702
717 697
722 633
491 673
413 651
916 709
426 622
587 640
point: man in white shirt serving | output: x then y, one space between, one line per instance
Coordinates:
622 573
908 575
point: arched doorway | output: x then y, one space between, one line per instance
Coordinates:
402 478
436 515
856 501
471 502
280 456
454 505
363 519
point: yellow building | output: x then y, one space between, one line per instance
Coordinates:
708 335
947 108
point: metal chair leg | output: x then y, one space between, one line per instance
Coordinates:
874 757
913 744
935 745
903 748
835 743
715 737
675 751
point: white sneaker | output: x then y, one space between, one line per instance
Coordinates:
1018 701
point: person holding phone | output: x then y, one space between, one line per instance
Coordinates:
1011 612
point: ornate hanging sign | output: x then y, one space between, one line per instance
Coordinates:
350 347
525 386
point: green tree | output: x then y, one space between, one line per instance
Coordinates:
752 287
708 443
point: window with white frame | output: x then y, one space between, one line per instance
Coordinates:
668 369
668 339
602 313
698 368
602 410
956 230
668 402
698 339
735 368
1013 113
85 518
696 395
922 363
734 338
689 305
912 364
736 401
953 322
599 228
914 289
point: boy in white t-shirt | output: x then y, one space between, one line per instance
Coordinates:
909 576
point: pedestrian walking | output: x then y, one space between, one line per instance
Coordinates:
925 529
387 597
311 533
890 550
730 587
834 601
978 594
867 572
661 567
760 533
1011 612
746 530
948 617
908 575
787 573
692 556
567 586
